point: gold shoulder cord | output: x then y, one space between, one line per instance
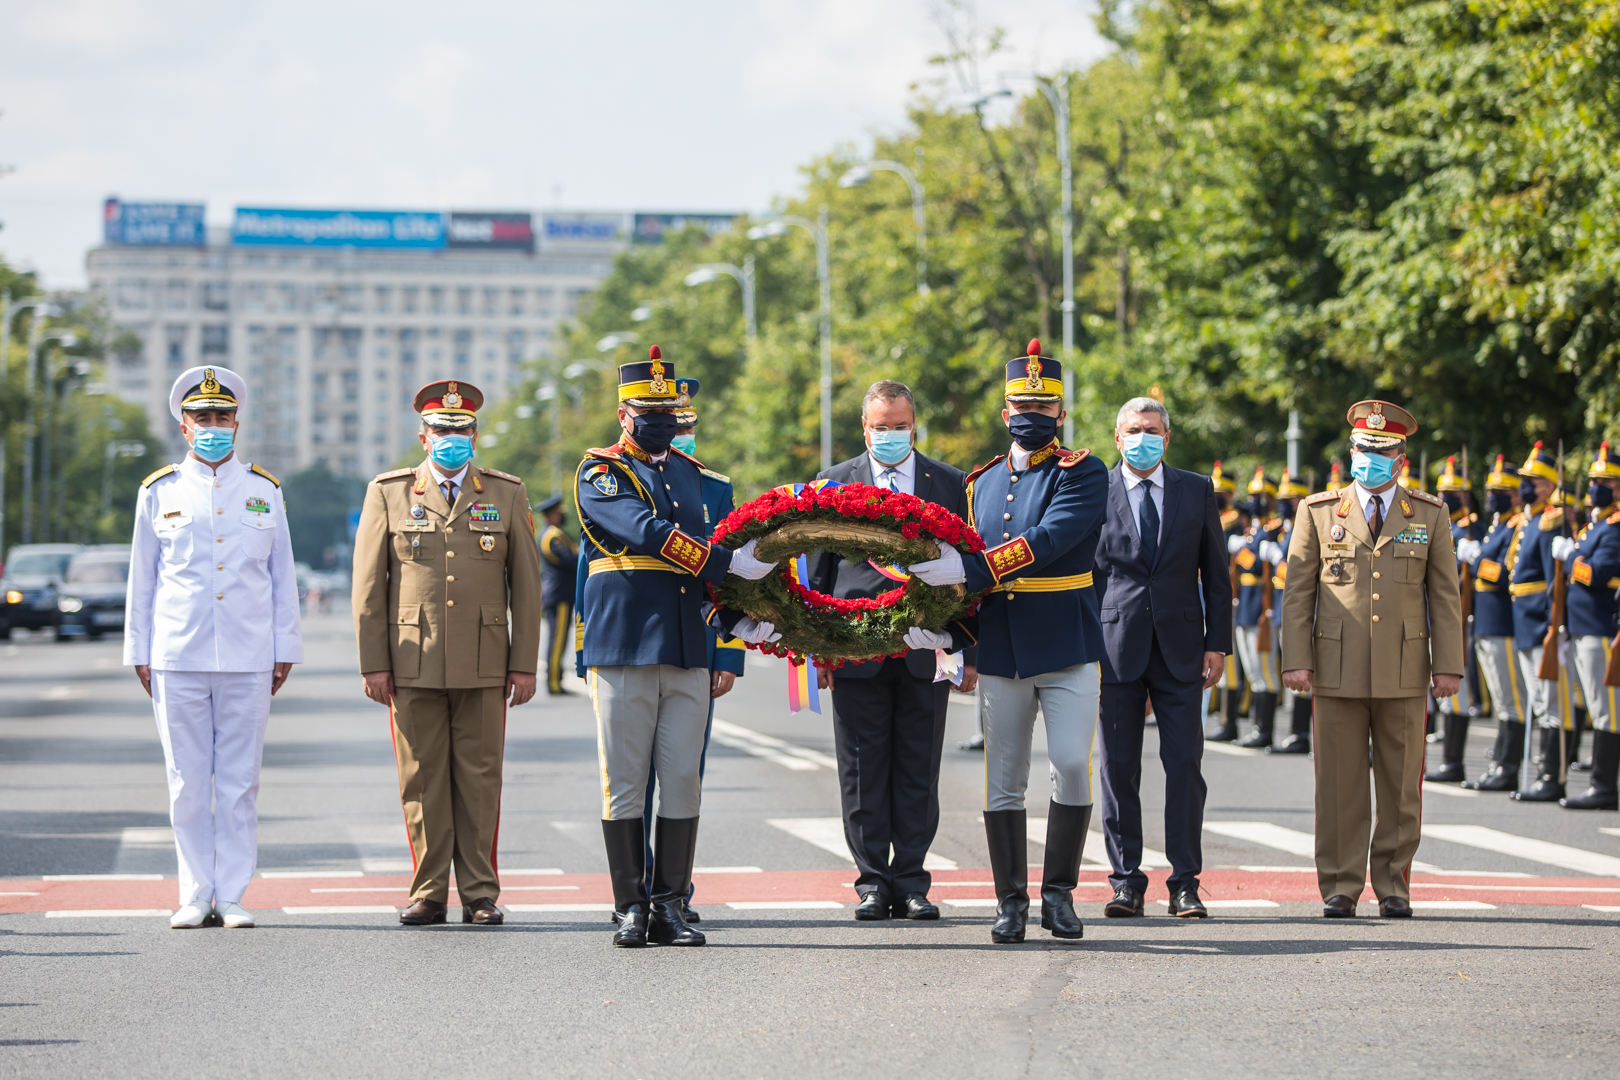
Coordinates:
971 522
579 511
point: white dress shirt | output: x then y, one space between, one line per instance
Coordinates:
211 579
1386 499
455 481
1134 490
905 473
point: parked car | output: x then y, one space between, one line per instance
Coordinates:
29 588
90 600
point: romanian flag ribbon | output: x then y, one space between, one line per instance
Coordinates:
802 691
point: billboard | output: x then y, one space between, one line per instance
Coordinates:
506 232
583 228
339 228
153 224
650 228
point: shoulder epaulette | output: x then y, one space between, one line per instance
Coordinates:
1552 517
394 475
262 472
976 473
1276 523
712 475
160 474
688 457
1424 496
1068 459
1516 520
1322 497
500 475
613 453
1614 516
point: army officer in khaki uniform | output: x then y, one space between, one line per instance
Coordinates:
1371 616
447 609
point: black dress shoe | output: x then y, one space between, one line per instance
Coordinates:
916 907
689 912
1448 772
482 913
1126 904
1497 779
874 907
1394 907
632 931
1294 744
1339 907
1184 903
423 912
1545 789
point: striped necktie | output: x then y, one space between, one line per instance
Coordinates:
893 478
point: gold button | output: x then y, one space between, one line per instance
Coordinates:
221 566
449 603
448 530
1375 618
1375 596
220 596
449 554
1378 554
1011 595
1006 517
1015 479
677 505
216 483
450 577
1376 575
1009 498
683 590
1006 536
666 487
219 539
221 510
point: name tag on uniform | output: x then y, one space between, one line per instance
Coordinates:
1338 550
416 526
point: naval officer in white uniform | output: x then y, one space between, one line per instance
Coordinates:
212 632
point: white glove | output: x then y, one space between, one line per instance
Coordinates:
918 638
1468 550
753 631
1236 543
945 570
1273 552
745 566
1563 549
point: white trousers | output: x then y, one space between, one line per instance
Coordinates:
1590 657
212 724
1261 668
1070 701
646 715
1499 665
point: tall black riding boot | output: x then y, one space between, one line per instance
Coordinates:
1065 842
1299 729
1504 775
674 849
1007 833
1450 769
1265 721
1549 785
627 868
1228 729
1604 792
1579 723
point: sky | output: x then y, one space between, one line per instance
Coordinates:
479 104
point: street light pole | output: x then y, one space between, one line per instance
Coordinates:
9 311
818 229
744 276
862 172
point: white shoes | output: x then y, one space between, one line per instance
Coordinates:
235 916
191 916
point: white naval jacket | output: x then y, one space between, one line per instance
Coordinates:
211 579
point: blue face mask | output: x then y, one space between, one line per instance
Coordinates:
1373 470
1143 450
451 452
212 443
891 447
686 444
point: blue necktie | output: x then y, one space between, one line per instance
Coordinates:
1149 524
891 475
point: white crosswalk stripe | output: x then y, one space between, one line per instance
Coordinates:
770 748
828 835
1283 839
1523 847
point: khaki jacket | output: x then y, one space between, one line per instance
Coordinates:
437 588
1372 620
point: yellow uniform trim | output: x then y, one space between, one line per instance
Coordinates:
1527 588
632 562
644 390
1250 579
1021 387
1046 584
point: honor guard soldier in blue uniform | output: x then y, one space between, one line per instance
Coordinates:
1289 492
1460 707
1495 645
1227 695
1594 619
726 658
559 559
1531 588
1256 645
646 646
1040 511
212 633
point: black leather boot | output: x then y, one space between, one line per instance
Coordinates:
1504 775
1227 731
1549 785
627 869
1450 769
1065 842
1007 833
674 849
1604 792
1299 729
1265 722
1579 724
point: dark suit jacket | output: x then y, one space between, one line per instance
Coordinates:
936 482
1140 601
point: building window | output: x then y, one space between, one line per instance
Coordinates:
571 299
216 296
351 428
175 335
317 392
409 340
255 296
542 302
515 302
288 294
216 342
131 294
463 349
317 428
174 296
381 299
351 344
351 299
409 299
492 301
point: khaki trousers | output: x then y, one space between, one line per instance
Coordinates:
449 745
1342 729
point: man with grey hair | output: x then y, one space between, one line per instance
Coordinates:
1166 604
889 715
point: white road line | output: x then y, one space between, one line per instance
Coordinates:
293 874
964 902
545 908
19 894
1509 888
1601 907
102 877
504 889
386 866
1292 841
337 909
1233 751
727 870
1279 869
1452 905
156 838
1449 789
828 835
786 754
112 913
784 905
1214 904
1611 832
528 873
1523 847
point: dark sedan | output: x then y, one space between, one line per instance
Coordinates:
28 591
91 598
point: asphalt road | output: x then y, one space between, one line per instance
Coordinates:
1521 981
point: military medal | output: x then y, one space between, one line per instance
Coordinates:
418 512
487 542
258 505
1337 532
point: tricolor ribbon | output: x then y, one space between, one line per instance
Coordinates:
802 691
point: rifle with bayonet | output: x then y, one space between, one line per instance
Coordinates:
1560 587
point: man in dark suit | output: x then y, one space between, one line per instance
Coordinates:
889 715
1166 604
